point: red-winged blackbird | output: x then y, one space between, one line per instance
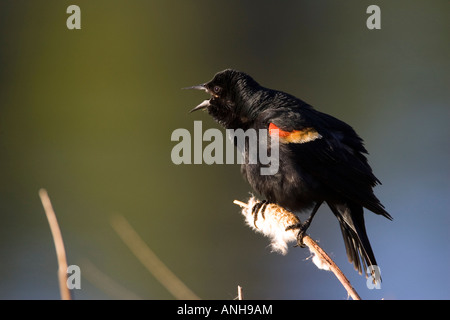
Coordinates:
321 159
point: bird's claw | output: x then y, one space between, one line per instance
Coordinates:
260 206
302 227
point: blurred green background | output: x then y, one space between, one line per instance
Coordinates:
88 115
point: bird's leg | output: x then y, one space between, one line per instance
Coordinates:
259 206
304 226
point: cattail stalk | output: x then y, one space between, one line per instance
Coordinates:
273 223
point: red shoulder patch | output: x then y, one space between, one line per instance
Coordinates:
294 136
281 133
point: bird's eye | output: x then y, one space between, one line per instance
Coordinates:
217 89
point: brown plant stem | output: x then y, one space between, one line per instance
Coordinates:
59 244
150 260
240 293
317 250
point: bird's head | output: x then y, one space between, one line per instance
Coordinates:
232 96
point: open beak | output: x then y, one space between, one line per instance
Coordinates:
199 87
204 104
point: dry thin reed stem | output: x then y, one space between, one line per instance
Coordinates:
240 294
106 283
149 259
313 246
59 244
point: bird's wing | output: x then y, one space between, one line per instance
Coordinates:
330 151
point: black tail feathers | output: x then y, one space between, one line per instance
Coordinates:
357 245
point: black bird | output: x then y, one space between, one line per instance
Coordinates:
321 158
